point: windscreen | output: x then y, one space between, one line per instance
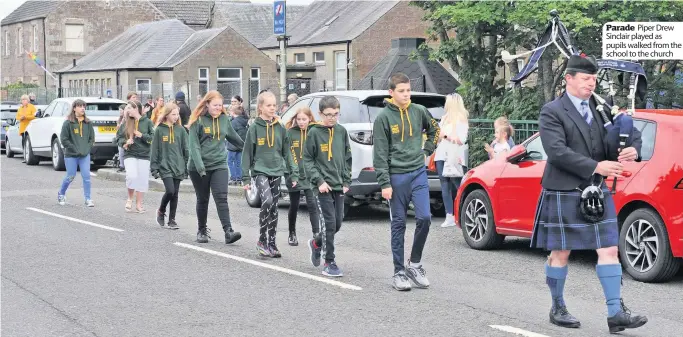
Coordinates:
102 109
434 104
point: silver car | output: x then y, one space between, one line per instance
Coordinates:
359 108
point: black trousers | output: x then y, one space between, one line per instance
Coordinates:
172 187
269 191
313 210
216 183
332 207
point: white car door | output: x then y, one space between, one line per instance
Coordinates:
39 126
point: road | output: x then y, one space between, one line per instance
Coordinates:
77 271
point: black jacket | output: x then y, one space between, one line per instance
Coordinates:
240 124
566 139
184 111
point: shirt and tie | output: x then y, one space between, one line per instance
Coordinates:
582 107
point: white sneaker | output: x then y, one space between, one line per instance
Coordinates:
449 222
89 203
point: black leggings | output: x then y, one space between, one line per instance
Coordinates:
311 204
172 187
269 191
216 183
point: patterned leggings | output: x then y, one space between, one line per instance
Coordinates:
269 191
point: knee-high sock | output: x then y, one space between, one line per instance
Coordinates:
610 278
555 278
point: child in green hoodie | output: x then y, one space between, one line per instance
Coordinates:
297 131
135 136
208 167
77 138
169 159
266 158
399 160
327 159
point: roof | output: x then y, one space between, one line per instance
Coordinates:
191 45
362 94
30 10
91 100
254 21
192 13
324 22
398 59
144 46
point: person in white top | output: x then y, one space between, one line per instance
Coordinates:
501 144
450 154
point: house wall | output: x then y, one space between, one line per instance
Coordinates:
17 65
227 50
372 45
324 71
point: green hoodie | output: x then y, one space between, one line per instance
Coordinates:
170 152
296 138
141 145
325 166
77 138
397 140
266 152
207 148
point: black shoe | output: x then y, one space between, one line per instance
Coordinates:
292 239
231 236
624 320
203 235
560 316
161 217
274 252
172 224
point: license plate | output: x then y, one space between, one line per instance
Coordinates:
107 129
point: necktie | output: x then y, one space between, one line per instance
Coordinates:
585 112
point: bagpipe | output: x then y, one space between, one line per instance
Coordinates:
618 122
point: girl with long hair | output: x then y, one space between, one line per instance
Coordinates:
208 168
170 155
77 138
266 157
297 133
454 127
135 136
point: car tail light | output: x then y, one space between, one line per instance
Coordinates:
361 137
679 186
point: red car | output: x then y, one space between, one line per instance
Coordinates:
498 198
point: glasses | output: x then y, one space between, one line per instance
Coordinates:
331 116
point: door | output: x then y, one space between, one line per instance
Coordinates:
518 189
39 127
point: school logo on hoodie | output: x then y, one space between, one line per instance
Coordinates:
76 131
261 141
164 139
394 129
324 148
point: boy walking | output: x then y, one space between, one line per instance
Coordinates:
399 160
327 159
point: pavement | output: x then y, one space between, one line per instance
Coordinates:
77 271
113 174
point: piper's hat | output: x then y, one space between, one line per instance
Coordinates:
582 64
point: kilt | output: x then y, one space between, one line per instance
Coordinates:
558 224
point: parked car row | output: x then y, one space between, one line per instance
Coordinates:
498 198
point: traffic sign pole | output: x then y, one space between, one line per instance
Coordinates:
280 29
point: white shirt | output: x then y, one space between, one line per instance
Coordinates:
500 148
446 146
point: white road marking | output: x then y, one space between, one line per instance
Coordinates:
74 219
272 267
516 331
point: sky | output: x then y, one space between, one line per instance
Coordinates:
8 6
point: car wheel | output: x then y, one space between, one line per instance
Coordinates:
29 156
253 199
347 208
644 247
476 219
437 208
57 156
8 150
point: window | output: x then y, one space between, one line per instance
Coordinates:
300 58
520 64
74 38
20 41
203 81
350 112
289 114
109 83
319 57
35 38
50 108
7 43
340 70
277 59
648 130
61 109
535 151
229 81
143 86
254 84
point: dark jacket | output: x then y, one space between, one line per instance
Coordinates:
77 138
184 112
170 152
207 146
573 147
141 147
240 124
397 136
327 157
266 152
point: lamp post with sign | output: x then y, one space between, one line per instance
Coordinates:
280 29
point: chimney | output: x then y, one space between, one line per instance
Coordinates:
74 62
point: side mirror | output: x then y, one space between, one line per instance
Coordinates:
39 113
516 154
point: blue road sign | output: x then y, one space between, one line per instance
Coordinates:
279 17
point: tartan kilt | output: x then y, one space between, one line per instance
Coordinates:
558 224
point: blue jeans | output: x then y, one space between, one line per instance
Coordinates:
407 187
235 165
72 164
449 187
